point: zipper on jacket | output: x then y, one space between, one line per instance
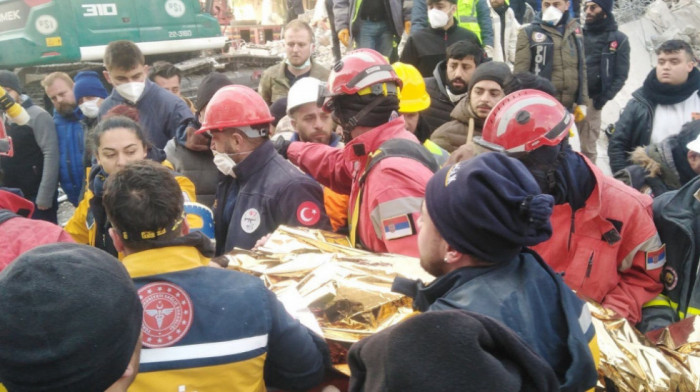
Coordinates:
590 265
572 229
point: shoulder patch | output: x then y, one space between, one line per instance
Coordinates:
308 213
656 258
250 221
613 46
167 314
538 37
398 227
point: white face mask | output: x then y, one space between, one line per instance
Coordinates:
224 163
552 15
438 18
90 108
131 91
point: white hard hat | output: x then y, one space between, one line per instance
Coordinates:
694 145
304 90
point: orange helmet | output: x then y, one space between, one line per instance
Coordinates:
524 121
236 106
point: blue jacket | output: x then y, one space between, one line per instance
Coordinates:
71 149
216 330
267 191
160 112
529 298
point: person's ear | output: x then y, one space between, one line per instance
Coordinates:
116 240
452 255
107 77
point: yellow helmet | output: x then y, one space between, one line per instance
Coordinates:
414 98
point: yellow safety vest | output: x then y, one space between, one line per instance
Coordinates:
467 18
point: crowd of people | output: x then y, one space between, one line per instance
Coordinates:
475 153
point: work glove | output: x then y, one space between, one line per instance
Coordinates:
282 145
407 27
344 37
580 113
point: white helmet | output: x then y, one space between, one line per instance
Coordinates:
304 90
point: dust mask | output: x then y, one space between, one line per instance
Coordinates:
131 91
90 108
438 18
224 163
552 15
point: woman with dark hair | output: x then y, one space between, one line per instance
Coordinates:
116 141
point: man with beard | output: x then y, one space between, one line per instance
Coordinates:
552 47
607 66
71 140
450 81
668 99
485 90
299 44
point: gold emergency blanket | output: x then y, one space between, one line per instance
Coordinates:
664 360
348 290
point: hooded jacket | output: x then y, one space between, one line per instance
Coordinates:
676 216
453 134
529 298
440 104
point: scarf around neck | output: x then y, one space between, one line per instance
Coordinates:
666 94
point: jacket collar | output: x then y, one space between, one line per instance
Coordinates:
163 260
440 75
255 162
361 146
441 31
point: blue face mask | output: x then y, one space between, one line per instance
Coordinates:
306 64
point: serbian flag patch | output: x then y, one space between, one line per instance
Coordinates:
398 227
656 258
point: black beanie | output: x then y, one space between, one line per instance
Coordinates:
492 70
278 109
448 350
489 207
70 318
606 5
209 86
10 80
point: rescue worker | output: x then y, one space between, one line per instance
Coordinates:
204 329
476 222
384 201
116 141
312 125
604 241
413 102
552 47
676 217
259 190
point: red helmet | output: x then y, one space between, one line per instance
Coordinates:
524 121
357 70
235 106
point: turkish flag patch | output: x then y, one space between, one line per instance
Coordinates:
308 213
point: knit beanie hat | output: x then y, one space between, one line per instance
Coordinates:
10 80
70 318
450 350
209 86
491 70
88 84
278 109
606 5
489 207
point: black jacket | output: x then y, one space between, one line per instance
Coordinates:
440 104
427 47
607 60
632 129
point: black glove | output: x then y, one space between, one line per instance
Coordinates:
282 145
599 102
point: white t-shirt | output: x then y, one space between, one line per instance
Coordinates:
668 119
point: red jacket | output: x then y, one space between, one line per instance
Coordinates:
393 190
613 255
